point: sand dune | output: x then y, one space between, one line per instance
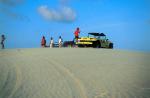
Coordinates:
74 73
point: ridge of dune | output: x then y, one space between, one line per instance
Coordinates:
74 73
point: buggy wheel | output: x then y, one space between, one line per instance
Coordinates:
81 46
111 45
96 44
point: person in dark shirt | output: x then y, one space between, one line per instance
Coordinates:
2 41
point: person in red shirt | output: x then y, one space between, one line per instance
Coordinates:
76 33
43 42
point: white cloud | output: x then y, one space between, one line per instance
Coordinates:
64 1
13 15
7 7
11 2
65 14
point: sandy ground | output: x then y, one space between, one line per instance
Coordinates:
74 73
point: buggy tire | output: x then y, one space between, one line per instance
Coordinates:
96 44
111 45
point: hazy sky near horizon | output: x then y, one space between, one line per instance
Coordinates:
125 22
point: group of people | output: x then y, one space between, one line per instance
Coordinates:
43 42
2 41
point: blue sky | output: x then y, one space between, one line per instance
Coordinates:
125 22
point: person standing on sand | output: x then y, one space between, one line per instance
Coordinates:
2 41
60 42
43 42
51 42
76 33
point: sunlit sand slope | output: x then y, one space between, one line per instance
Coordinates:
74 73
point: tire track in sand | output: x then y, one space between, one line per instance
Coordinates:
66 71
18 81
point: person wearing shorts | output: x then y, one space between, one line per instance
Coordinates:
76 33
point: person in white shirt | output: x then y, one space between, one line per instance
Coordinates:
51 42
60 42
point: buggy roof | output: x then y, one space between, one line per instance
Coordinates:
97 34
